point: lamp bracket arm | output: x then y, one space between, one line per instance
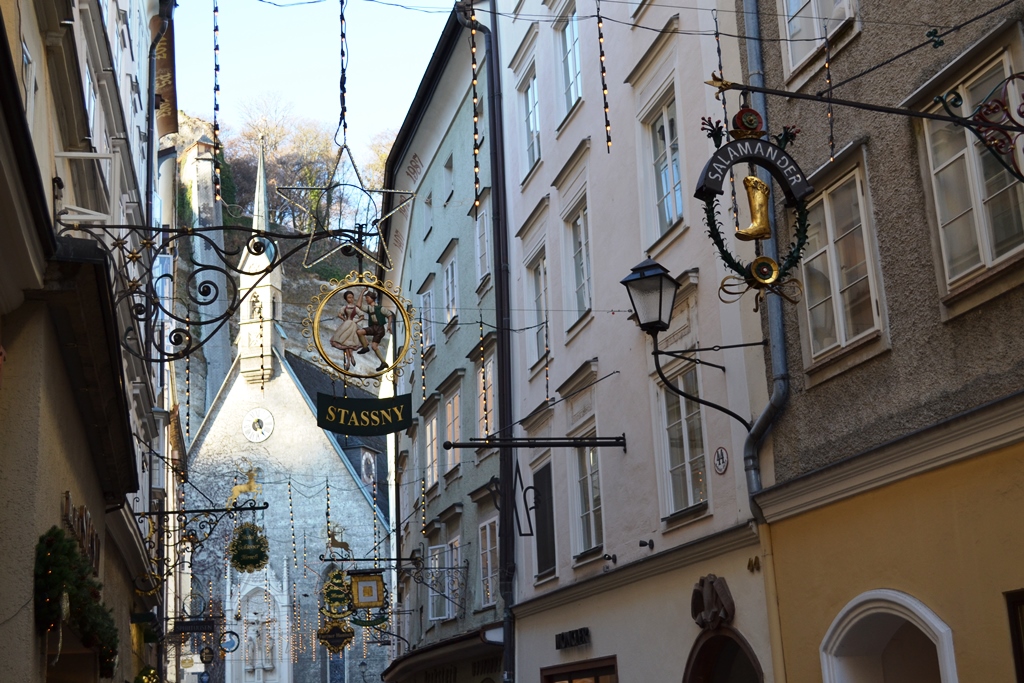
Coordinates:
669 384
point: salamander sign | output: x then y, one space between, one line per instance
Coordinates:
364 416
761 153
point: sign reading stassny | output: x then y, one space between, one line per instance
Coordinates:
364 416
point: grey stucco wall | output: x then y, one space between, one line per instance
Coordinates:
938 364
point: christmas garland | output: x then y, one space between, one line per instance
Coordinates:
62 570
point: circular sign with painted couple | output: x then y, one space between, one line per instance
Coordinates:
360 328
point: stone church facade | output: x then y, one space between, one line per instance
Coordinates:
259 441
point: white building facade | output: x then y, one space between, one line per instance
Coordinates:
619 539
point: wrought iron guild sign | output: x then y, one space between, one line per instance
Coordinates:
763 273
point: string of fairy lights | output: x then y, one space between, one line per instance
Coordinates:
476 113
604 78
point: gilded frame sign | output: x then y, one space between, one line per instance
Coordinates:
372 315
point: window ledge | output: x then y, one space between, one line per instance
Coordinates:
432 490
685 515
450 327
545 577
538 365
484 285
580 323
985 286
667 238
529 174
484 454
454 472
851 355
486 608
571 114
588 556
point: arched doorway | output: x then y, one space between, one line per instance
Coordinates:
722 655
885 636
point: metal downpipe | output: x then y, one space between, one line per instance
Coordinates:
503 349
776 330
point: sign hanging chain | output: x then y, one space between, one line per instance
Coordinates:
342 84
216 102
725 120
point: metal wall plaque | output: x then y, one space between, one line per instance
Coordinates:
574 638
194 626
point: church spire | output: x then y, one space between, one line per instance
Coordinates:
262 307
260 202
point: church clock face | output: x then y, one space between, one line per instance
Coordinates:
258 425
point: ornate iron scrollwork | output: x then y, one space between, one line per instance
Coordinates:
996 122
210 295
445 582
193 528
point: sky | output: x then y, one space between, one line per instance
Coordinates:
292 54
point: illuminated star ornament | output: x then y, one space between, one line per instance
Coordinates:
348 213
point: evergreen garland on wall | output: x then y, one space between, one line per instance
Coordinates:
61 569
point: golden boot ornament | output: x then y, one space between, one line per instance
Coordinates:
757 197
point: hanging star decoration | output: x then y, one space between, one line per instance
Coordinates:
348 213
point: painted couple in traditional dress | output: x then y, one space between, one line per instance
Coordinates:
351 335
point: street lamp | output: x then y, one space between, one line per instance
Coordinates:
652 291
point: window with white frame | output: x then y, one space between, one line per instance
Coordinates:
450 290
684 431
539 294
569 45
485 397
90 98
488 563
452 426
839 287
28 75
483 237
979 205
431 450
443 563
531 118
588 481
449 179
809 21
580 247
428 214
427 317
668 188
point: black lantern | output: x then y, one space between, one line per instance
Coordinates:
652 291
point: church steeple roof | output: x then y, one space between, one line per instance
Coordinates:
260 202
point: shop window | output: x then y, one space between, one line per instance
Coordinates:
603 670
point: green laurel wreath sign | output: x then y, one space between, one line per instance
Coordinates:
796 248
249 548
